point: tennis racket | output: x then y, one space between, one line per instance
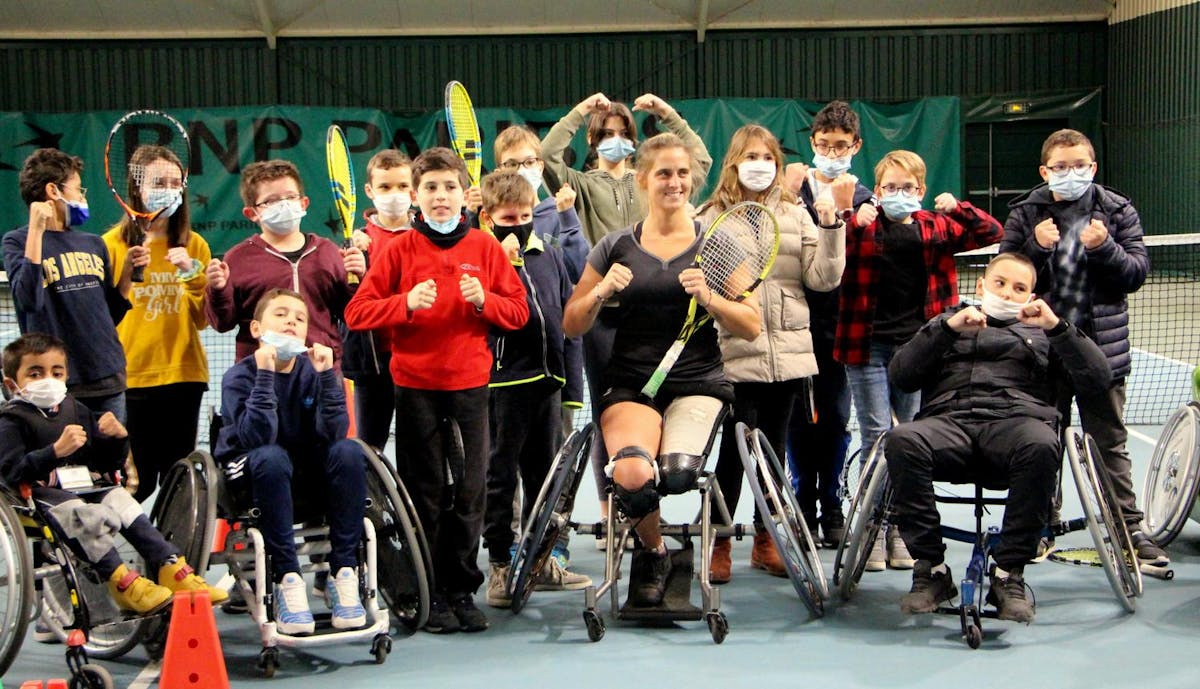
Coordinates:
341 183
464 129
735 256
135 163
1089 557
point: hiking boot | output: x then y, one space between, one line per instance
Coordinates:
897 551
136 593
929 589
497 585
833 528
470 618
1008 595
555 577
344 600
441 619
292 614
1148 552
765 556
877 558
648 577
177 575
720 567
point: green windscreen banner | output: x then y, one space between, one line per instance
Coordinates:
225 140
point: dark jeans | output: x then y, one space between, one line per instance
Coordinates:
765 406
817 452
526 433
162 429
453 534
374 402
1019 453
1103 417
335 480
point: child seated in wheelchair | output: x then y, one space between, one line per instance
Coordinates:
284 428
988 417
63 450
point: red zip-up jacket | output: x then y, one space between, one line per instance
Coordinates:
444 347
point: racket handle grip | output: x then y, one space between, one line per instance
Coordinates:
351 278
138 274
650 389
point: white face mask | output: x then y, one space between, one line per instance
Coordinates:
1000 308
286 346
756 175
533 175
45 393
282 217
394 205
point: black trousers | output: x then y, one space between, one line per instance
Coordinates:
1019 453
817 452
526 429
162 429
374 401
765 406
453 532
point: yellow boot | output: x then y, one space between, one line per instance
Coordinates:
134 592
179 576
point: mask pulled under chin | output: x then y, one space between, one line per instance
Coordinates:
443 226
286 346
999 308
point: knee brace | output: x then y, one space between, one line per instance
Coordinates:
679 472
642 501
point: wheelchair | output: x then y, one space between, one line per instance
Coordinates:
1171 486
871 507
551 514
395 570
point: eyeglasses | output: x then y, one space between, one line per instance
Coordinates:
838 150
82 190
271 202
528 163
1079 167
908 189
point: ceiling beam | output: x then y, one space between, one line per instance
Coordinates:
264 20
702 21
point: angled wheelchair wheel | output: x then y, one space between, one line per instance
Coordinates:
1169 495
851 476
405 574
777 503
865 517
16 583
1115 551
551 513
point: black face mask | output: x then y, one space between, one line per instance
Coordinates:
522 232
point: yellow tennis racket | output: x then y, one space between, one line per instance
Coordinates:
464 129
341 183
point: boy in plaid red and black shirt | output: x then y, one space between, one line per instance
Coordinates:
899 274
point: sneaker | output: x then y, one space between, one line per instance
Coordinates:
497 585
929 588
1045 547
555 577
833 528
765 555
441 619
648 577
236 604
292 615
344 601
721 566
562 554
1008 595
470 618
877 559
43 634
1148 552
177 575
814 527
897 551
136 593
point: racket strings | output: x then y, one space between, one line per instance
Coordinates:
737 253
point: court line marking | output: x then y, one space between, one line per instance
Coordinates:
1143 437
148 675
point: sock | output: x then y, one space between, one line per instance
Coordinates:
1000 573
939 568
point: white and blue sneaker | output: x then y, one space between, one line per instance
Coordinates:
342 590
292 615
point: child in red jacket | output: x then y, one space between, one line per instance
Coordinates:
438 289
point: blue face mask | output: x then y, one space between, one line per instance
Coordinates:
614 149
166 200
832 167
1070 186
77 213
443 226
286 347
899 205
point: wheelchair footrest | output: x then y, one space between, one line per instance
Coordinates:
677 601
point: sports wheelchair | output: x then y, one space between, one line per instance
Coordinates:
394 556
871 507
1172 483
551 514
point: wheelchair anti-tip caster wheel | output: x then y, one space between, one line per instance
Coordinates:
91 676
268 661
595 625
381 647
718 626
974 636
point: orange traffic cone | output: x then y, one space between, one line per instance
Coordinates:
193 658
